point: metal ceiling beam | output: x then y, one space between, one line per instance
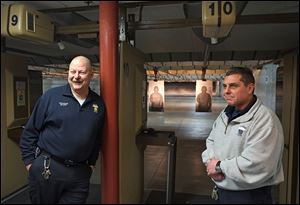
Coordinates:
246 19
163 24
268 18
78 29
181 23
19 51
69 9
154 3
121 4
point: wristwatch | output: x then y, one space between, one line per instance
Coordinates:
218 167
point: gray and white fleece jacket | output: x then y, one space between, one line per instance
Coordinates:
250 148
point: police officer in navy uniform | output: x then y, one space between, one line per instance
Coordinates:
61 141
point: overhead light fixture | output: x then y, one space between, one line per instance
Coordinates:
61 45
213 40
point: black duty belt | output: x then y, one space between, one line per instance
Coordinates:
67 162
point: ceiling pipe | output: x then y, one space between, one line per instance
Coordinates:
205 62
155 73
205 56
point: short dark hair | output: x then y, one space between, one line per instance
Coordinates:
246 74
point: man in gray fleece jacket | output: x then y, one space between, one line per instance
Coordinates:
244 150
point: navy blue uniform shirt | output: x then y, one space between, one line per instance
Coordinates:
64 128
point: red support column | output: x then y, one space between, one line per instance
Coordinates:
108 32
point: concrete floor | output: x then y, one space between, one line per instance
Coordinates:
191 129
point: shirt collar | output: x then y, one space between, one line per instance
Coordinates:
232 113
68 92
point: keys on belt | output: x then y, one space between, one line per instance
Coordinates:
46 173
47 160
214 193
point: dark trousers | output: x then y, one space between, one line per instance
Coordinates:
66 184
255 196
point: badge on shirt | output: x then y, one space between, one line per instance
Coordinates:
95 106
241 130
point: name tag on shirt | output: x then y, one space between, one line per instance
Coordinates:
63 104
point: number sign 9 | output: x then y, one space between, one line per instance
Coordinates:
14 20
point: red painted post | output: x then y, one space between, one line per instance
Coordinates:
108 32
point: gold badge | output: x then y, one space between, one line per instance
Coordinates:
95 108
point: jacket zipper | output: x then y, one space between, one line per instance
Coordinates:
225 129
226 125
